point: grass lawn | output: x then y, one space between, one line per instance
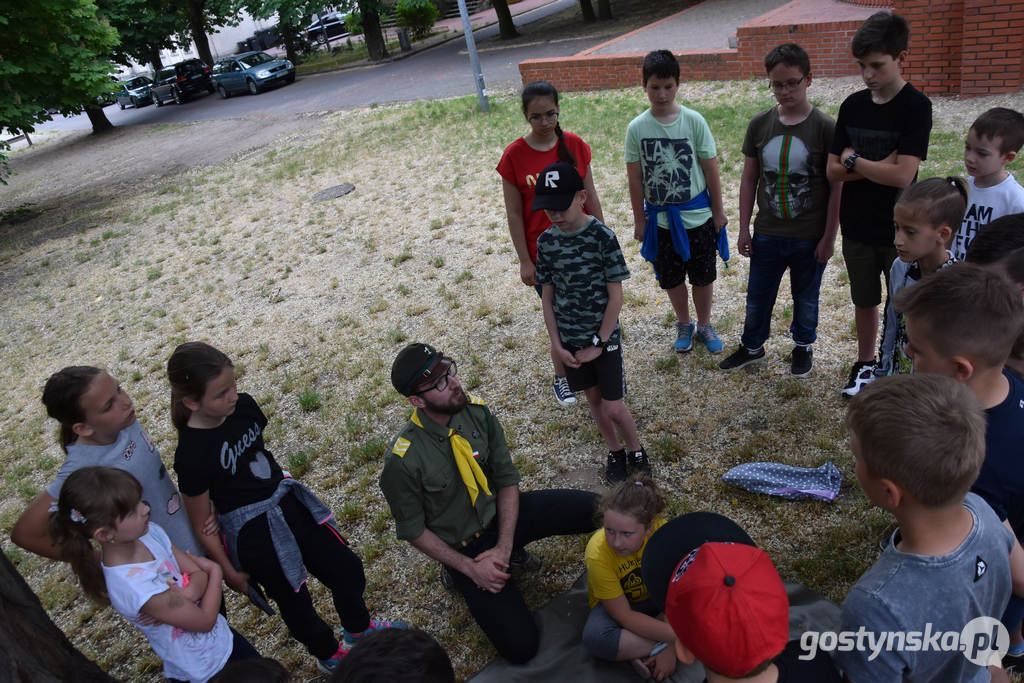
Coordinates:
313 301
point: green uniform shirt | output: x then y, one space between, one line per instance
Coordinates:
422 484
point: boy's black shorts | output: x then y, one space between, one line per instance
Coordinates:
672 269
606 372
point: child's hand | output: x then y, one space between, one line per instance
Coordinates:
210 526
237 581
719 220
528 273
745 244
205 563
567 358
663 664
638 232
586 355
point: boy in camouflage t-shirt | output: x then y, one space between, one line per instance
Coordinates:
581 268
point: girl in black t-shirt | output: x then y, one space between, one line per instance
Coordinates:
274 528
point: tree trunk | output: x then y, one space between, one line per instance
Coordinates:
100 122
604 9
505 24
375 45
588 10
155 61
197 27
32 648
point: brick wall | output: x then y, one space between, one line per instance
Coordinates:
965 47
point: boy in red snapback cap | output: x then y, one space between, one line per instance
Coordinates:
726 603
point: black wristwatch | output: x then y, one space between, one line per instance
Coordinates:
850 161
596 341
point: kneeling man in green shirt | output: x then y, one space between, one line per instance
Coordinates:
454 494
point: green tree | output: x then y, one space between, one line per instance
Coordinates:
144 27
51 55
200 18
292 15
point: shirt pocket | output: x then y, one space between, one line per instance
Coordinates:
439 487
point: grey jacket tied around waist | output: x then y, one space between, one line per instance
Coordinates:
288 553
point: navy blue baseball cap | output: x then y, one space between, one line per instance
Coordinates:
556 185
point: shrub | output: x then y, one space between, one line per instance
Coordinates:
354 23
418 15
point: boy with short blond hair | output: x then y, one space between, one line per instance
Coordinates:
918 442
993 141
676 195
881 139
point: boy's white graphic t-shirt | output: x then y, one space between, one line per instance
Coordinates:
187 655
984 205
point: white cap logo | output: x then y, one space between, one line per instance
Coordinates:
551 179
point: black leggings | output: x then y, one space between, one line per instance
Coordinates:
327 557
504 616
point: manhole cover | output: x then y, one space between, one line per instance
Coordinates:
333 192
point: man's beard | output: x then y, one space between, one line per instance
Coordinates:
451 407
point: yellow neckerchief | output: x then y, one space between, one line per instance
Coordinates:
469 469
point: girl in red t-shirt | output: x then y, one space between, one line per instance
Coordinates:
519 167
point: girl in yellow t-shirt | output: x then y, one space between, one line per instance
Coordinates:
624 624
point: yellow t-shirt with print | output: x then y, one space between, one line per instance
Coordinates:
610 575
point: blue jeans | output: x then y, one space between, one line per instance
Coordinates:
768 262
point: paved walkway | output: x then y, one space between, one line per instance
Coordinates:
489 16
707 26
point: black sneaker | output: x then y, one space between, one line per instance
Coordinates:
741 358
637 463
861 374
803 361
524 560
615 471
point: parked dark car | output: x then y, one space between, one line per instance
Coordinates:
331 25
252 71
134 91
180 81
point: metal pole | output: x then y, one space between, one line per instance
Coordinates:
474 60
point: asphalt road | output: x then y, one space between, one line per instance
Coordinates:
442 71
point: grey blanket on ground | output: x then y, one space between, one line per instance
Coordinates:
562 657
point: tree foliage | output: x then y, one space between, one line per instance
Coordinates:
144 27
51 56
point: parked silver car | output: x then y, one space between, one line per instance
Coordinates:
252 71
134 91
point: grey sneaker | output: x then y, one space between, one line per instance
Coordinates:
447 582
741 358
563 394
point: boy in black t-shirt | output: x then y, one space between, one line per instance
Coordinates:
881 138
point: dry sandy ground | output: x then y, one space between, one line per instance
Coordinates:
135 242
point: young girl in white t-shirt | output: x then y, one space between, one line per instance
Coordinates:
172 596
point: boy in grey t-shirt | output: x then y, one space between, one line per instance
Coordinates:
786 151
919 443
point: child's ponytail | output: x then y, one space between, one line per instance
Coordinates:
637 497
91 498
189 369
62 394
545 89
942 201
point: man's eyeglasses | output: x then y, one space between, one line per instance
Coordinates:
786 85
442 383
546 116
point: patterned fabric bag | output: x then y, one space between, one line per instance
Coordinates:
787 481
